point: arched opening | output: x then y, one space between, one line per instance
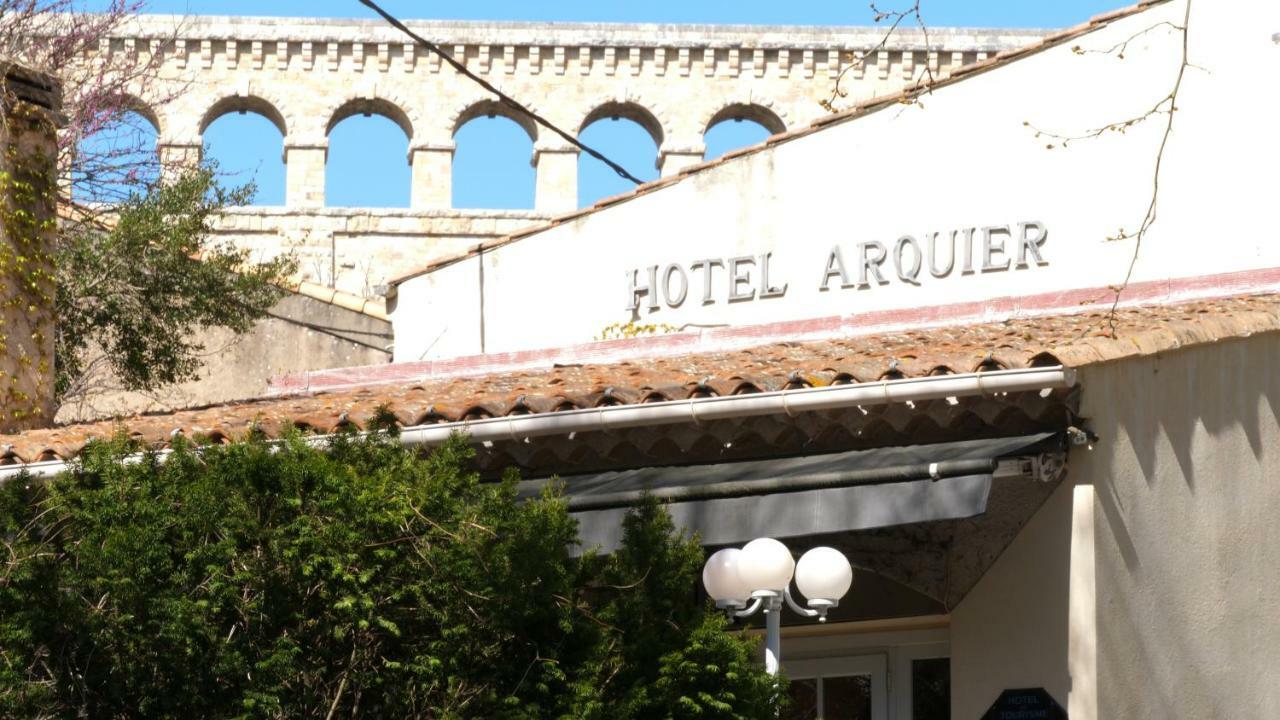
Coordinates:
117 156
368 163
737 126
627 134
492 159
244 136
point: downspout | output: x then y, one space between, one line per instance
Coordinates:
699 410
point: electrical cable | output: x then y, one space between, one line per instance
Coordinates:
505 99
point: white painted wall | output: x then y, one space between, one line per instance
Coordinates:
962 157
1013 629
1149 585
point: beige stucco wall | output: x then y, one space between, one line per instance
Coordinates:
1188 544
966 156
301 334
1172 516
1013 629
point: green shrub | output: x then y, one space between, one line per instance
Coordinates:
362 579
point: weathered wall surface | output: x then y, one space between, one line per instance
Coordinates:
302 334
307 75
357 249
28 106
1188 547
857 186
1149 585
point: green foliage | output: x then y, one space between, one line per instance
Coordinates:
650 619
279 580
141 290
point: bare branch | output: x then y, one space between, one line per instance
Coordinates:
895 18
1166 106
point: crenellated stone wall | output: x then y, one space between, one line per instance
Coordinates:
307 75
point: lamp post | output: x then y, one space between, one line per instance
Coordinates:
758 577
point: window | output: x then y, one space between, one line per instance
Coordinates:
848 688
931 689
894 675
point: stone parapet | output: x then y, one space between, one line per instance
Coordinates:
305 73
357 250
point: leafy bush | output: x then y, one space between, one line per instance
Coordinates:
280 580
136 292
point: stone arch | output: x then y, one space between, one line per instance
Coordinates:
243 103
754 109
129 102
490 107
626 105
391 108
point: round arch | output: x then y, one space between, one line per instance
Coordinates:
134 104
491 108
627 110
754 112
371 106
244 104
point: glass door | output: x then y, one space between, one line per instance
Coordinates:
845 688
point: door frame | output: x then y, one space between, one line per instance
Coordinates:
807 648
875 665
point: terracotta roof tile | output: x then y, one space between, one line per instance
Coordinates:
373 307
1073 340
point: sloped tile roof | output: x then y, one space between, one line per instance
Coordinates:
857 110
1075 340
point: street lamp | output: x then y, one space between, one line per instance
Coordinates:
758 577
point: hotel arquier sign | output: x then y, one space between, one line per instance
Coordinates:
860 266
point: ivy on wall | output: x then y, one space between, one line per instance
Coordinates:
27 220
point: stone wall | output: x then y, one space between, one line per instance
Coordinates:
301 333
356 250
676 81
29 103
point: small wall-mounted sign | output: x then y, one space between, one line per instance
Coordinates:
1026 704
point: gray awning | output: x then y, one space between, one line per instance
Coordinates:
729 503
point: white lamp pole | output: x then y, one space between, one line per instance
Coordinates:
758 577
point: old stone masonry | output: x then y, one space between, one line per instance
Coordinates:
306 76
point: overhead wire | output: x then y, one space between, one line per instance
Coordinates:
503 98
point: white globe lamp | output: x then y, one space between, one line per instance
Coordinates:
721 579
766 565
823 576
762 572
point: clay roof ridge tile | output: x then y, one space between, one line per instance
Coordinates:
1120 12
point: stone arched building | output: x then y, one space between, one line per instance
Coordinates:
306 75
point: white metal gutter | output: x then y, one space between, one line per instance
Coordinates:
699 410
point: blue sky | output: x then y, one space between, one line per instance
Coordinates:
367 157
